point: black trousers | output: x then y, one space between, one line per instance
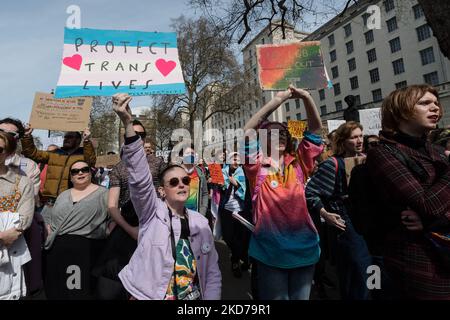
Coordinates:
235 235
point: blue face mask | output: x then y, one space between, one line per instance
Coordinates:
188 159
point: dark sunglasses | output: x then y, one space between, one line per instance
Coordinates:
373 143
74 172
2 150
141 134
13 134
175 181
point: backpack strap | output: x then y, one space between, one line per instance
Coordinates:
407 161
260 177
336 165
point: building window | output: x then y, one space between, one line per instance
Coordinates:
323 110
288 118
369 36
335 72
263 41
376 95
395 45
398 66
418 11
322 94
357 100
431 78
427 56
372 55
257 102
365 17
348 30
338 105
349 46
423 32
401 84
287 106
331 40
298 116
354 82
392 24
388 5
374 75
337 89
297 103
351 64
333 55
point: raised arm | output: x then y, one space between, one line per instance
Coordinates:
142 191
29 150
88 148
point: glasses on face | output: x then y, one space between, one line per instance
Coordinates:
74 172
141 134
70 137
2 150
175 181
13 134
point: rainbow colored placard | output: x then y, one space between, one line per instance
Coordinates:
298 63
106 62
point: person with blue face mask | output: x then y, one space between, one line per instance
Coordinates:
198 194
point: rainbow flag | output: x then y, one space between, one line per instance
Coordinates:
106 62
298 63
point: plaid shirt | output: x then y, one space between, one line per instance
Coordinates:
409 257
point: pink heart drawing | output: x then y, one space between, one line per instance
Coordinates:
165 67
73 62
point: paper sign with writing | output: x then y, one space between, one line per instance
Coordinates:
334 124
108 160
296 128
71 114
57 141
370 119
298 63
215 171
106 62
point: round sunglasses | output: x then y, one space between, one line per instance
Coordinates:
13 134
74 172
175 181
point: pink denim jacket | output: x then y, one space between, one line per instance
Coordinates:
147 275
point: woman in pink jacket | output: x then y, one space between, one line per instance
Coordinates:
175 258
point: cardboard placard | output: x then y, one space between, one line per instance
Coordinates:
215 171
106 62
370 119
297 63
70 114
296 128
108 160
334 124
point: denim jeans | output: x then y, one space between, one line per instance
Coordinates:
284 284
353 258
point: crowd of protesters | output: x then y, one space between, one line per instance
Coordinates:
292 212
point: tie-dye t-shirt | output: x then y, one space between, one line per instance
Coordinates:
194 192
285 235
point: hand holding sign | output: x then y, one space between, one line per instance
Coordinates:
121 106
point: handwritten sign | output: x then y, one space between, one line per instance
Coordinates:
334 124
296 128
370 120
60 114
298 63
108 160
215 171
106 62
57 141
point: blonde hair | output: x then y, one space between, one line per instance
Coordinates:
343 133
399 105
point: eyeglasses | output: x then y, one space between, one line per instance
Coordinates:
141 134
70 137
2 150
74 172
175 181
13 134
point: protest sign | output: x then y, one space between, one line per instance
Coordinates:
350 163
370 119
108 160
215 171
296 128
70 114
334 124
106 62
298 63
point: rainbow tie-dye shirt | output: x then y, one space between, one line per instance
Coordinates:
192 201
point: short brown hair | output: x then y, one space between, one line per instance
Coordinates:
10 142
399 105
343 133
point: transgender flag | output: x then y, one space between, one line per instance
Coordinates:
106 62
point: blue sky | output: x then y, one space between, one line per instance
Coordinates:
32 34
